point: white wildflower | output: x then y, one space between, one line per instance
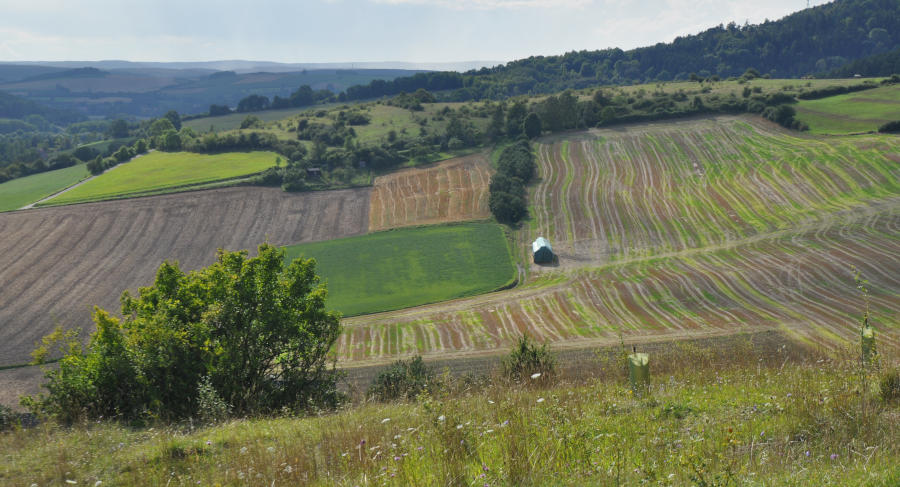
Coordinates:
385 420
540 399
441 418
535 375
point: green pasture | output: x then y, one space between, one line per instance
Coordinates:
19 192
163 171
411 266
233 121
863 111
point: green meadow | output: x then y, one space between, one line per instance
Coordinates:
19 192
863 111
160 172
411 266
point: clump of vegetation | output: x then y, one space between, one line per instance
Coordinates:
404 379
515 168
526 359
249 334
889 385
890 127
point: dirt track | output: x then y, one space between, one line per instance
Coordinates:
56 263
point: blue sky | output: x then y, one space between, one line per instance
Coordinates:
354 30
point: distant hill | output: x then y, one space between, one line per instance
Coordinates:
814 40
151 89
13 107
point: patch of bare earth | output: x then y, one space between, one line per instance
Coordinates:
56 263
449 191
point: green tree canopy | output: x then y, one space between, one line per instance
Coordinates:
253 330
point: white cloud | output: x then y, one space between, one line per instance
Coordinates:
491 4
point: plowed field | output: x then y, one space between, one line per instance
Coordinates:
649 189
56 263
455 190
798 280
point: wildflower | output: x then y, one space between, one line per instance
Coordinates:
671 476
99 482
487 432
490 402
362 442
789 394
385 420
459 426
762 433
834 456
505 423
270 449
397 437
208 443
288 469
540 399
420 448
807 452
243 450
71 481
441 418
536 375
485 467
397 459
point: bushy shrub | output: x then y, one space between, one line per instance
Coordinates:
7 418
890 385
254 329
527 359
890 127
402 380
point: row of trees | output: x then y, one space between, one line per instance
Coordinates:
515 169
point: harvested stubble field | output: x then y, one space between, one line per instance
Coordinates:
55 263
454 190
797 280
648 189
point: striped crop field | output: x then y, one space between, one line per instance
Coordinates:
450 191
797 280
655 188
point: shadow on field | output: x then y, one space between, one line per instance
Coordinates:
666 356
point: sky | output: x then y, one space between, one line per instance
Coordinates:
315 31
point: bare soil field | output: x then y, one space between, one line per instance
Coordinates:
56 263
449 191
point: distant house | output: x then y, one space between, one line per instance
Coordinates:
542 251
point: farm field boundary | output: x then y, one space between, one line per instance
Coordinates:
410 266
161 171
862 111
453 190
56 263
19 192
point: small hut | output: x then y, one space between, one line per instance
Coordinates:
542 251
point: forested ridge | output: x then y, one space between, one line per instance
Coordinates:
809 42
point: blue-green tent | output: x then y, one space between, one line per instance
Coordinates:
543 252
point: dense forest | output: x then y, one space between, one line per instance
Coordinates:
875 65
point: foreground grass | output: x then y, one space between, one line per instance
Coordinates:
159 171
411 266
778 422
863 111
19 192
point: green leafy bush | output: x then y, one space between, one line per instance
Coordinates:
527 359
249 331
402 380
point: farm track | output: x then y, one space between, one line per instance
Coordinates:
55 263
797 281
454 190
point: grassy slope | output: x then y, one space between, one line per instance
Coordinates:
412 266
20 192
719 424
862 111
160 170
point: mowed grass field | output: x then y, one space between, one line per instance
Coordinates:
862 111
19 192
412 266
160 171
